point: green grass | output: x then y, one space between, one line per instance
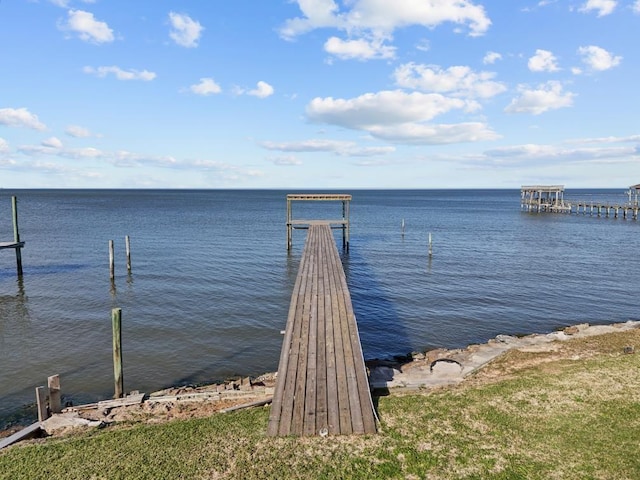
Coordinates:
565 419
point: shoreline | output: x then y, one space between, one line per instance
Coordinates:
416 373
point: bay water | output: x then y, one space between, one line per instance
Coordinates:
211 279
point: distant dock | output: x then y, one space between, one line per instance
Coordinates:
550 199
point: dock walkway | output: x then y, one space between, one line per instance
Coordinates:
322 386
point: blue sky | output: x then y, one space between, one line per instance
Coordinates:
321 94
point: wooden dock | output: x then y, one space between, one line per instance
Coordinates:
341 223
322 386
550 198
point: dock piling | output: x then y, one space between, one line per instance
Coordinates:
55 400
116 322
127 242
112 269
41 401
430 246
16 233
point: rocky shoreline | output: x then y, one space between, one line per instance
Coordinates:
417 372
440 367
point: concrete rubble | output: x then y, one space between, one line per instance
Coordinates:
442 367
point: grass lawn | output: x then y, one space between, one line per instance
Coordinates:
570 415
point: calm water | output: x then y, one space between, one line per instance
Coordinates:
211 281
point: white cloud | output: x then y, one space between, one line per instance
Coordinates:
424 45
72 153
636 6
543 61
184 30
598 58
123 158
360 49
399 117
77 131
87 27
337 147
65 3
527 153
4 146
207 86
629 139
309 146
491 57
287 160
370 151
460 80
120 74
52 142
20 117
603 7
380 19
423 134
262 90
386 107
545 97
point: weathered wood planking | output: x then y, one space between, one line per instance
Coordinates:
322 383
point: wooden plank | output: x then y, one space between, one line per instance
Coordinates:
27 432
318 196
361 381
351 385
309 417
363 420
294 374
134 399
333 413
11 245
290 374
321 389
344 410
276 414
276 405
297 420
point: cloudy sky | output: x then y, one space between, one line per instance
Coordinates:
319 93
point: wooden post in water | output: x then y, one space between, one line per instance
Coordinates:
127 243
430 246
345 217
55 400
16 233
112 269
116 322
403 227
289 226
